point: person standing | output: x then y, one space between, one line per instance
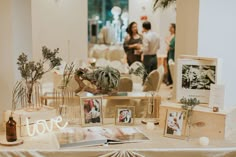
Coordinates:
132 43
170 51
150 46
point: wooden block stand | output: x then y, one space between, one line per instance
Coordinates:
217 125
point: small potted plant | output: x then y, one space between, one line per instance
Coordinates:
32 71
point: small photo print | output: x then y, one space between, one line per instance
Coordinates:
175 124
91 111
198 76
125 115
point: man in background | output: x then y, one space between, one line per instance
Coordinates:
150 46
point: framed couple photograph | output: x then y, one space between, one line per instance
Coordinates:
195 76
175 124
125 115
91 111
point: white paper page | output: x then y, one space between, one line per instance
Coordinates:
217 94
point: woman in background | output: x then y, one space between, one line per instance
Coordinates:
132 43
170 51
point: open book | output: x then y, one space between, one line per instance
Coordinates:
71 137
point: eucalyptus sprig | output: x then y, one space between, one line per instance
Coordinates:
68 73
189 104
33 71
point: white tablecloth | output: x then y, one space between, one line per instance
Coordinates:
46 145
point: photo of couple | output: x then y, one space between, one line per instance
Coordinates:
125 115
175 123
92 110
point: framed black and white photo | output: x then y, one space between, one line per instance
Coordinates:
91 111
175 125
195 76
125 115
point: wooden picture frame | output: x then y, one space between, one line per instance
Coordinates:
176 121
195 75
91 111
125 115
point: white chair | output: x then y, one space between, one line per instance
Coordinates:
161 73
154 80
151 81
171 64
98 51
102 62
125 84
115 64
115 53
134 66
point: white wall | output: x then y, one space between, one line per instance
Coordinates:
6 55
160 19
15 36
60 24
186 27
217 39
167 16
21 30
138 8
186 31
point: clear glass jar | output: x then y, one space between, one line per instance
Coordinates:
32 95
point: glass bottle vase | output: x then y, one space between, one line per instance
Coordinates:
11 135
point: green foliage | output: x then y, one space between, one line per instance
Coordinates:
33 71
162 4
189 104
139 71
106 78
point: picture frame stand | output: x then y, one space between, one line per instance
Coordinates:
150 111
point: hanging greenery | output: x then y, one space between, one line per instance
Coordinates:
162 4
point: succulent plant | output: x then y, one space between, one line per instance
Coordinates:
106 79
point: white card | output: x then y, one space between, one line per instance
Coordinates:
217 95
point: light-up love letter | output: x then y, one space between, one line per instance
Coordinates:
44 125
